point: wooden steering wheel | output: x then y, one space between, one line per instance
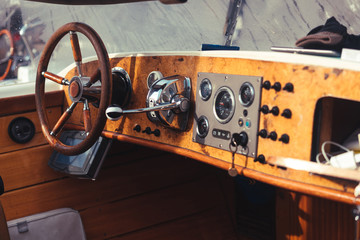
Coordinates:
80 88
10 60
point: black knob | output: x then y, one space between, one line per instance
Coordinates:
264 109
275 111
276 86
289 87
286 113
240 139
262 133
284 138
260 159
245 113
273 136
137 128
156 132
147 130
266 85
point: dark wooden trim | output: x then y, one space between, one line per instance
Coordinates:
20 104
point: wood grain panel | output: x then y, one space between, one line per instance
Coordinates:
112 184
209 224
26 103
20 169
311 83
150 209
137 188
305 217
26 168
7 144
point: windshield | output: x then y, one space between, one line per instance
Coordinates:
153 26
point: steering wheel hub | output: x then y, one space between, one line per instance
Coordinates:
75 89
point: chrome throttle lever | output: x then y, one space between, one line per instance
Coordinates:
167 103
115 112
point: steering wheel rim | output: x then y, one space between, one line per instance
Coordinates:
9 63
106 87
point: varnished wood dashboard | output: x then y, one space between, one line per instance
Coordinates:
319 86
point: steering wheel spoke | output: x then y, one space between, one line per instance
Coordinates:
56 78
96 76
63 119
76 50
87 116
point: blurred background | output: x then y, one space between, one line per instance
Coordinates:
153 26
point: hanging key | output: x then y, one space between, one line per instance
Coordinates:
232 170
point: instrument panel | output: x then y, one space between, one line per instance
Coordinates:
227 111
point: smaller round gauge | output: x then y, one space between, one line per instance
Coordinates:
202 128
246 94
224 105
205 89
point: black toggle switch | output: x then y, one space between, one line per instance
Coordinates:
147 130
266 85
264 109
137 128
289 87
156 132
262 133
260 159
276 86
275 111
284 138
273 135
286 113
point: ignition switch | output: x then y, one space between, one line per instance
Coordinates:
240 139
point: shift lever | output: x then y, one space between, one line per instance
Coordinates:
114 112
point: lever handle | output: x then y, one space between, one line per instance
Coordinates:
114 112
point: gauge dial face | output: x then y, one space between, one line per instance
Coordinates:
202 127
224 105
246 94
205 89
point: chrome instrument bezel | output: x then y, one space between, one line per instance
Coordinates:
247 84
202 135
233 104
208 82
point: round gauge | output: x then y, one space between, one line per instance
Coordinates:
205 89
202 127
224 105
246 94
